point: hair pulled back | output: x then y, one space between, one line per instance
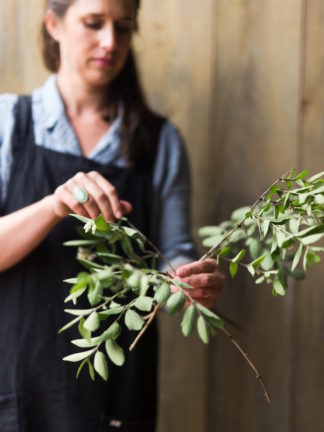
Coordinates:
126 88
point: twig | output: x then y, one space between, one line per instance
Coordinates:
148 322
250 363
160 254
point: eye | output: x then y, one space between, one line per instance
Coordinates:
93 25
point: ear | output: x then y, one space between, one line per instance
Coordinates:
52 24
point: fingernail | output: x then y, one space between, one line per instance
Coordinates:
119 214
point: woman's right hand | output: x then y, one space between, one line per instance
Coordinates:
102 198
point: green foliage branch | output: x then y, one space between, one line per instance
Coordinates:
125 291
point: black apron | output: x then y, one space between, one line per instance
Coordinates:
38 391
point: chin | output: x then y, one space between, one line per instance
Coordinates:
100 78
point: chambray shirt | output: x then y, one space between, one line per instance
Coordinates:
171 178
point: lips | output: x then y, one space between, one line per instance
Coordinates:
105 62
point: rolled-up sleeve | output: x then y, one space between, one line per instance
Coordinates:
171 181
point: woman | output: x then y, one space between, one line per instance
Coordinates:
84 143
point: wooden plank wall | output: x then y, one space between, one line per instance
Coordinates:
244 81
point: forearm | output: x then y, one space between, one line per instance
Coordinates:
22 231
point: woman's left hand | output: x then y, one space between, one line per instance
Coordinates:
206 278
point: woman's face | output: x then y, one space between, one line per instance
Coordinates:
94 38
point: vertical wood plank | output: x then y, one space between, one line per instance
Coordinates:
254 125
21 69
309 391
174 54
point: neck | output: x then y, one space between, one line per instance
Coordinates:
79 98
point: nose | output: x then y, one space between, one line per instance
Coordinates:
108 37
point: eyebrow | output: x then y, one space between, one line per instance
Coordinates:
100 15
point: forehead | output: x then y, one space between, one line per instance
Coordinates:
112 8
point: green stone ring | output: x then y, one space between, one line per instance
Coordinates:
80 195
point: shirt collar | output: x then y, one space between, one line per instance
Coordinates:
52 102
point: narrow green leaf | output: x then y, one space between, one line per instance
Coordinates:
75 294
176 302
256 263
301 175
78 312
239 256
81 367
278 288
297 257
78 356
69 324
202 330
266 225
209 231
91 370
83 219
115 352
211 317
225 251
79 243
83 343
233 269
100 365
188 321
133 320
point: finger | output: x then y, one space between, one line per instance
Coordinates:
206 266
90 205
98 200
126 207
66 199
205 279
110 191
206 293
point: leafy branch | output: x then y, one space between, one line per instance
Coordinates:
125 291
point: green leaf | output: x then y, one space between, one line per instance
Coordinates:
127 247
133 320
212 318
294 225
83 343
111 311
278 288
239 214
297 257
90 264
69 324
233 269
134 280
239 256
92 323
163 293
144 285
85 333
251 269
78 312
225 251
202 330
209 231
115 352
188 321
256 263
301 175
212 241
181 284
91 370
176 302
100 365
83 219
130 231
110 257
112 332
78 356
101 224
81 367
144 304
95 293
311 239
316 177
266 225
78 243
74 295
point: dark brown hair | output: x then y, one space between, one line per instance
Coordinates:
126 87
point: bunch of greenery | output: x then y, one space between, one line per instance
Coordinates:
273 239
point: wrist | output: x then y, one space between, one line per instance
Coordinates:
49 203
